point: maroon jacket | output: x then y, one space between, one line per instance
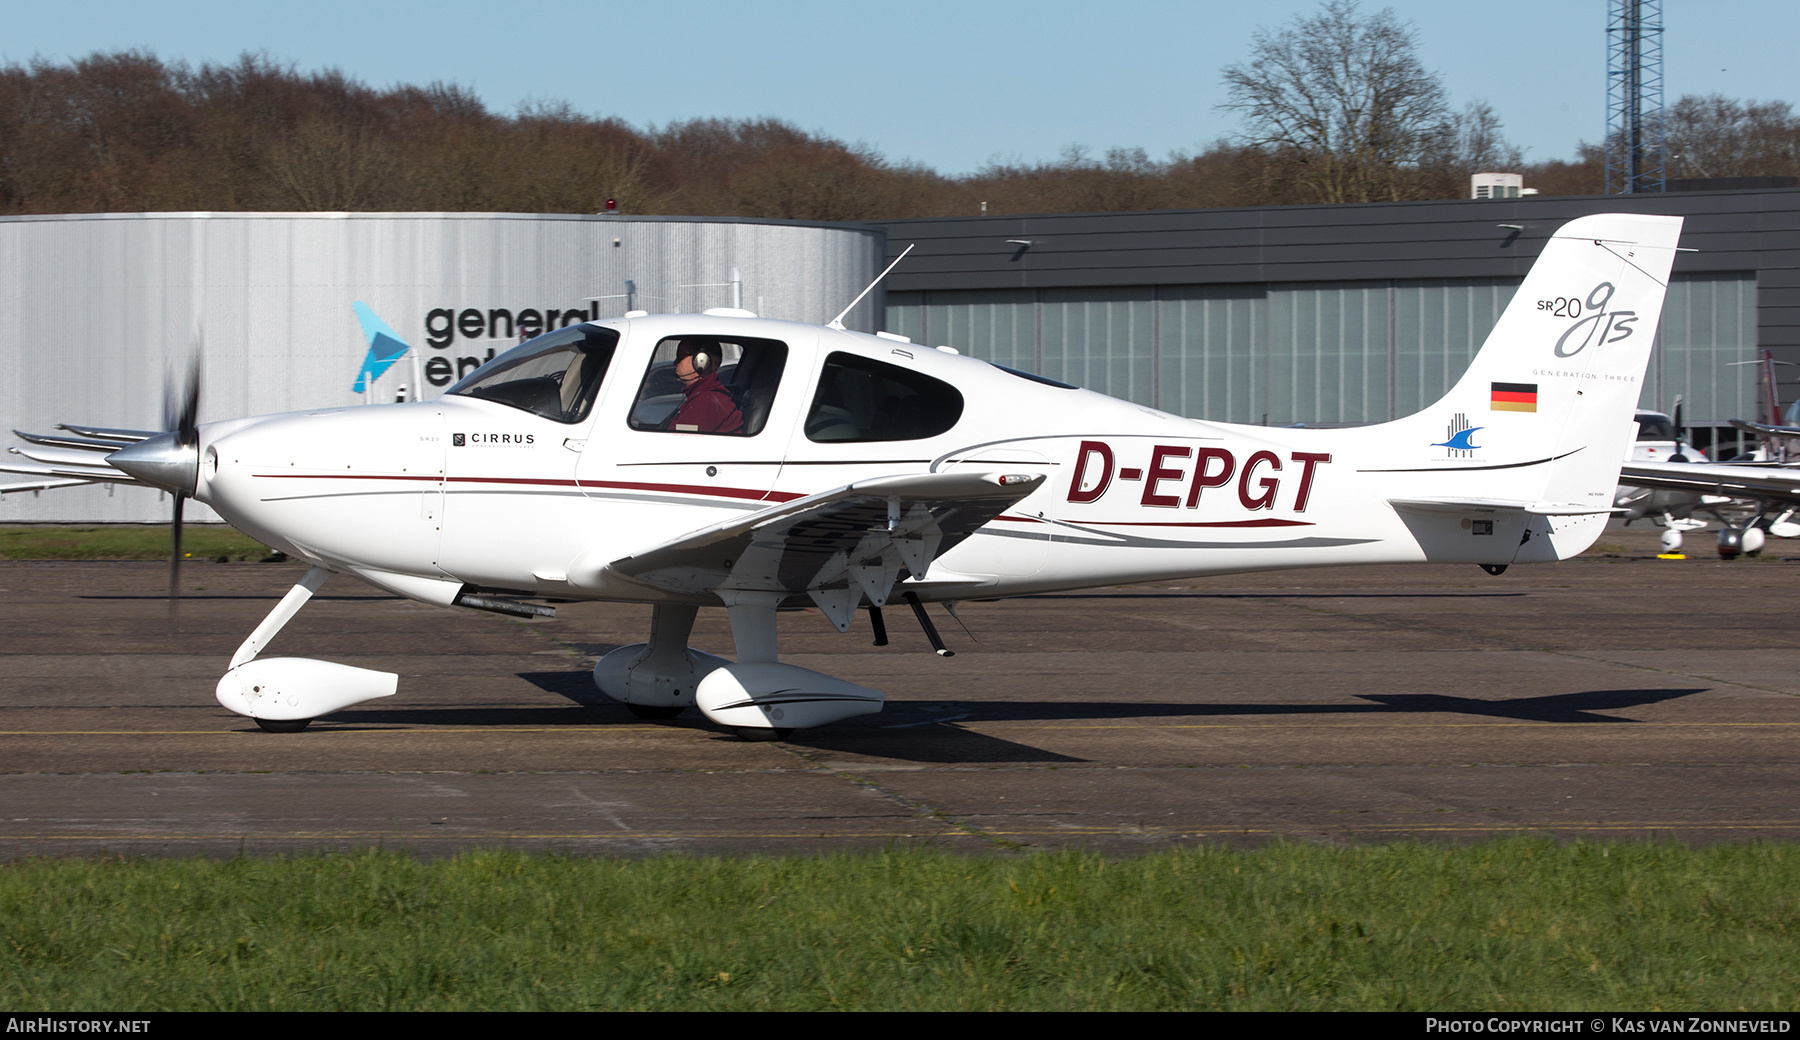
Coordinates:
707 407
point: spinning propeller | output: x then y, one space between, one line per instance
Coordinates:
181 407
171 461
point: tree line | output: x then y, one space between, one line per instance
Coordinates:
128 131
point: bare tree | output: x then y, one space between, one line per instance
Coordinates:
1717 136
1479 144
1344 98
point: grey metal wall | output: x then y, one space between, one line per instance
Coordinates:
1331 352
95 309
1348 313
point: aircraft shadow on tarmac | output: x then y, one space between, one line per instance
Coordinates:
1266 595
930 731
248 597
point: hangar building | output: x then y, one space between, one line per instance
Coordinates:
97 309
1330 314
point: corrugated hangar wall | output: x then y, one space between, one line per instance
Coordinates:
1329 314
96 311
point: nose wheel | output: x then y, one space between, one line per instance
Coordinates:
760 734
283 725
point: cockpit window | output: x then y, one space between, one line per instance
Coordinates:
860 399
710 384
556 375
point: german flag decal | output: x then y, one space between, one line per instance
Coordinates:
1515 397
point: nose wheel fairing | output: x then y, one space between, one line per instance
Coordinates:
295 689
290 689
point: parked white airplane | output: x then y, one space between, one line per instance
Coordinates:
1740 494
1660 439
1762 488
688 461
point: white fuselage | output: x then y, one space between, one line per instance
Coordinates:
432 495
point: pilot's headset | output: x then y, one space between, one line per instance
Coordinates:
702 355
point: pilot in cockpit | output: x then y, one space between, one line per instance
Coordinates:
706 406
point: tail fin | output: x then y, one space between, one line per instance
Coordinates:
1543 417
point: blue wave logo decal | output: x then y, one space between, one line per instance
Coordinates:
1460 442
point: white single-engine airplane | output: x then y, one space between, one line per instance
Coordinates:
689 461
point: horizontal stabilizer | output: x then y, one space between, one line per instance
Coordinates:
43 485
66 457
846 543
66 440
80 474
108 433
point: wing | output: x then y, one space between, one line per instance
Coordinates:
1766 429
837 546
1768 484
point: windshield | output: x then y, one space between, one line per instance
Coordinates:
556 375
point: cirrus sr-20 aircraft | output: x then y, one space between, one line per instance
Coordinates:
727 461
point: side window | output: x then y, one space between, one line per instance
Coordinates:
710 384
556 375
860 399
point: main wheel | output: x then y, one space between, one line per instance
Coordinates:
653 712
283 725
761 734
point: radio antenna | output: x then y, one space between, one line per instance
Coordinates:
838 322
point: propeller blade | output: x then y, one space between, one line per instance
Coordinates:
181 406
181 413
175 563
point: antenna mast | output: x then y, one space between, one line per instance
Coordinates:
838 322
1635 148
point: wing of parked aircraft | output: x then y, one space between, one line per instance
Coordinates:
1767 430
1770 485
1771 490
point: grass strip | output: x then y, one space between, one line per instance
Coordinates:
126 542
1510 925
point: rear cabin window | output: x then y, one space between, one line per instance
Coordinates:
861 399
721 385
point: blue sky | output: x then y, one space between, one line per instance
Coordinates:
950 85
